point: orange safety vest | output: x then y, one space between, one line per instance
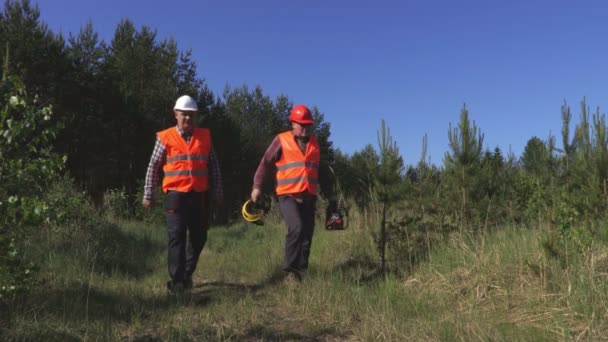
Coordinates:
296 171
186 166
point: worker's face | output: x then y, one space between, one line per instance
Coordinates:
185 120
301 130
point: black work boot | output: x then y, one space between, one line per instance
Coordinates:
175 287
188 283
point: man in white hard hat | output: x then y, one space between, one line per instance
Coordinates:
191 170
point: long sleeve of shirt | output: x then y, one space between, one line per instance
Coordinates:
271 156
215 176
159 158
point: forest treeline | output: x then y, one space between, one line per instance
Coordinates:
88 108
111 97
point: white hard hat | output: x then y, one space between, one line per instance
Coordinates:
185 103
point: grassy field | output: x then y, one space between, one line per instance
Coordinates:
499 288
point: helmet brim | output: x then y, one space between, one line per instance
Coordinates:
304 122
186 109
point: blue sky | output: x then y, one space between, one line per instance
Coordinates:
411 63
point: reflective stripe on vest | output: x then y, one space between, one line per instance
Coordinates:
298 164
186 168
186 157
296 171
296 180
186 173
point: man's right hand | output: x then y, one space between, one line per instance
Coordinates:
146 203
255 195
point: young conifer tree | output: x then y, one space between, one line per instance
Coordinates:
466 143
388 181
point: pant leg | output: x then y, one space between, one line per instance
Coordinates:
293 246
198 224
307 213
176 229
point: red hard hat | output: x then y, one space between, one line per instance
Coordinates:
301 114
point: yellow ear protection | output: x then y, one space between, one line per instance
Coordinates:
253 212
249 214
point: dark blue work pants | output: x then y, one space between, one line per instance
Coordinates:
187 223
299 214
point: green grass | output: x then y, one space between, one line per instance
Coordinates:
500 287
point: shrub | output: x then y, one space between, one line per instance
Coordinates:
27 166
116 204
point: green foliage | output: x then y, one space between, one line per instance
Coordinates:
26 134
363 166
27 167
15 272
388 185
409 237
493 173
466 142
540 172
500 287
112 96
572 237
155 215
322 131
78 230
535 157
586 176
570 228
36 55
531 199
388 180
493 184
463 163
70 210
256 116
248 121
254 120
116 204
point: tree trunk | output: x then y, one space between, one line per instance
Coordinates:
383 239
485 228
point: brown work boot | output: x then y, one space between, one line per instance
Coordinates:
291 279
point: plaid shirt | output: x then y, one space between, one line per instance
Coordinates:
159 158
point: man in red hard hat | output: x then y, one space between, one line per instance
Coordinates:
191 170
296 156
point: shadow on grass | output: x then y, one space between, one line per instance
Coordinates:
209 292
241 288
127 253
79 303
108 249
276 278
43 333
359 270
44 313
368 270
365 270
76 305
266 333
